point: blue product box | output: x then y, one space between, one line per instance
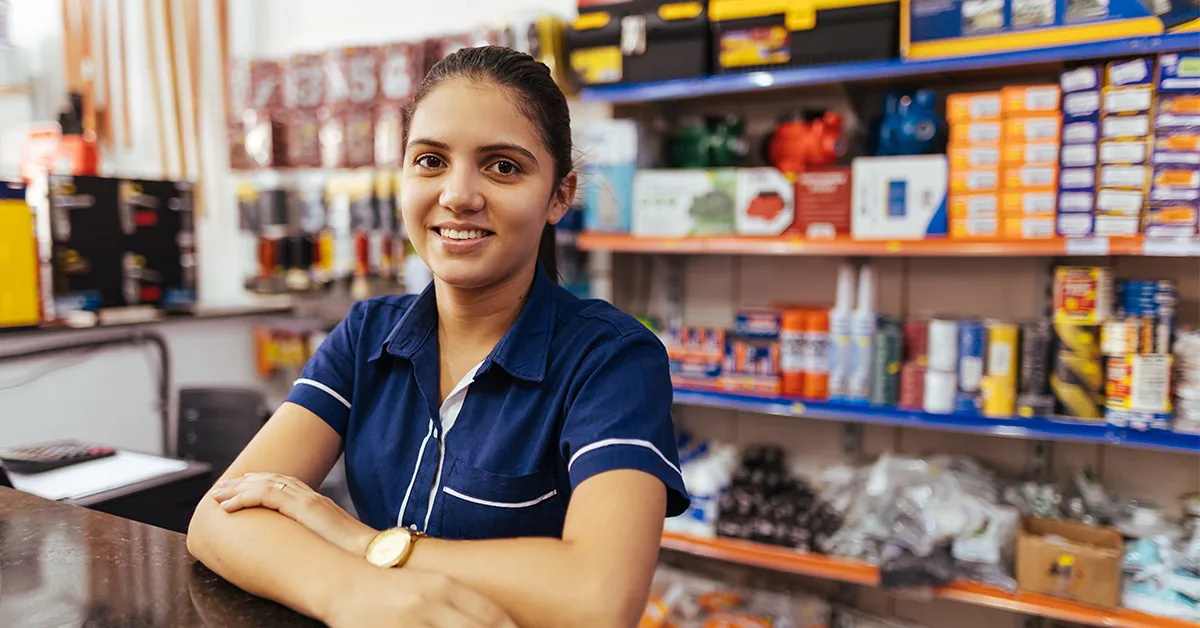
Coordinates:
1127 100
1078 155
1075 225
1081 132
607 174
1131 72
1082 79
759 323
956 28
1076 202
1077 179
1080 106
1172 220
1179 72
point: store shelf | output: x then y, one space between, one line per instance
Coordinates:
876 70
818 566
1013 427
206 314
794 245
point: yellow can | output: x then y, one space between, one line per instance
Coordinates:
1002 350
999 396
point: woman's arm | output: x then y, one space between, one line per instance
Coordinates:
597 576
261 551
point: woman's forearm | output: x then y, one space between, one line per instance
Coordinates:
269 555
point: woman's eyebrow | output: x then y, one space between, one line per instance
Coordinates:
428 142
503 146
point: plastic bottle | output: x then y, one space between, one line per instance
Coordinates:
840 355
816 379
794 352
862 330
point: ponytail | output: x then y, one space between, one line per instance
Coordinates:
548 252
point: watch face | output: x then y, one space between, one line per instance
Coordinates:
389 547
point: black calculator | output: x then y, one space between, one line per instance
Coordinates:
48 456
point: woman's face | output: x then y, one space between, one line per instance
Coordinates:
477 186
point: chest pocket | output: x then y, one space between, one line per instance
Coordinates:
478 504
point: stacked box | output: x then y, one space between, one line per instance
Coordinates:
1079 156
1175 177
1030 147
1123 178
975 155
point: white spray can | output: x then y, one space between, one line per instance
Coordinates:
862 332
840 353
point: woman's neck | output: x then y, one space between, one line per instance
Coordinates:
476 319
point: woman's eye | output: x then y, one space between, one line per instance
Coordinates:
429 161
505 167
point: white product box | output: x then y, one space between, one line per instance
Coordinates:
1125 127
1107 225
1078 155
764 202
1081 105
1075 202
1124 152
1080 79
1123 100
1081 132
679 203
1077 178
1075 225
899 197
1122 202
1128 177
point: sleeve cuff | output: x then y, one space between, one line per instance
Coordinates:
323 401
616 454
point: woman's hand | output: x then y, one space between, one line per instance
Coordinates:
297 501
404 598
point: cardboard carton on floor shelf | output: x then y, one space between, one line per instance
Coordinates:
1070 560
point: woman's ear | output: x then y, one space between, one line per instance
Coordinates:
563 197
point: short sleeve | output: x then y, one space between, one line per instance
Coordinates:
619 416
326 384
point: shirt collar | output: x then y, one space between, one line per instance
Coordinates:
522 352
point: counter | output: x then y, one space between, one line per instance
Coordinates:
63 565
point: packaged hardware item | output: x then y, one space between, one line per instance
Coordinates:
1031 153
1127 100
1125 127
764 202
697 355
20 300
1031 178
678 203
1125 177
1076 179
1083 295
1079 155
822 202
1033 129
1029 227
1070 560
1077 381
966 157
974 106
975 181
1081 106
1075 225
1130 72
629 42
1120 202
986 133
974 206
1086 78
1171 220
1124 151
1076 202
1085 132
899 197
608 173
1116 226
1138 390
974 227
1031 99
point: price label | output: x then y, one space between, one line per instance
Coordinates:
1087 246
1171 247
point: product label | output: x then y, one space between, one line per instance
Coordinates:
1137 177
1116 226
1174 194
897 205
983 132
1037 176
1075 201
1041 153
983 157
982 204
1080 79
1037 228
1177 177
1074 225
1128 72
984 107
1151 389
982 180
1077 178
1038 202
1077 155
1129 100
1120 127
1081 133
793 356
1124 152
1120 201
982 226
1041 98
1039 129
768 45
1081 104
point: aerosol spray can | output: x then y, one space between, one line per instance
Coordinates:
840 355
862 329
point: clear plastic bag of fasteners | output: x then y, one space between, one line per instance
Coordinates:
1187 382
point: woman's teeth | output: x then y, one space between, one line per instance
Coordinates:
454 234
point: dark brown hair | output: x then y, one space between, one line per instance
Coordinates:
538 97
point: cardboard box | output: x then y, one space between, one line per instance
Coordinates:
1086 78
974 227
974 206
1020 100
607 177
1075 225
1085 132
1131 72
1076 202
1127 100
1172 220
1031 153
1077 179
1079 155
1081 106
680 203
965 157
1125 177
1032 129
976 133
1171 79
974 106
1029 227
1070 560
975 181
1122 202
1124 152
764 202
899 197
1125 127
1117 226
1023 203
822 202
1029 178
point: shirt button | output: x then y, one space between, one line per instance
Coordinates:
413 527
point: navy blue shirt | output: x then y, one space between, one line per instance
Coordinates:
573 389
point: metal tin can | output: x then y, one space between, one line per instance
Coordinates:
941 390
1120 337
912 386
916 341
1036 341
888 347
971 341
999 396
1002 350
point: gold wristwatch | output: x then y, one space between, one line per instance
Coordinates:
392 547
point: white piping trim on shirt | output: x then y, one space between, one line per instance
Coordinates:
608 442
484 502
318 385
416 470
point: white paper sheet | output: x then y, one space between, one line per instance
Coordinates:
96 476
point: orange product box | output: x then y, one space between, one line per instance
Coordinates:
1028 203
1026 99
965 157
976 133
974 227
974 205
1032 129
975 181
1029 227
974 106
1031 153
1181 141
1031 178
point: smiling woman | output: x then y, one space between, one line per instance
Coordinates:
509 447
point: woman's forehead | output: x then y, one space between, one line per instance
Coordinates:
470 112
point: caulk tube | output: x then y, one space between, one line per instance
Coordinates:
862 332
840 354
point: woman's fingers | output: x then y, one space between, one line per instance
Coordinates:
480 608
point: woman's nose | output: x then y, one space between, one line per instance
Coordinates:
461 193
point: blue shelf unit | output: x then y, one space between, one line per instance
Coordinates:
1013 427
874 70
